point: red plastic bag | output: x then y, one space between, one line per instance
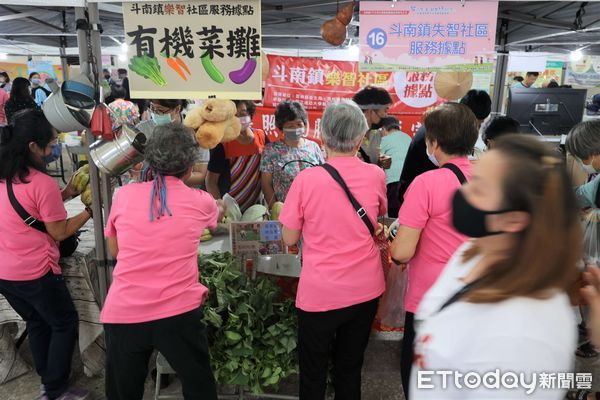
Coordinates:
391 310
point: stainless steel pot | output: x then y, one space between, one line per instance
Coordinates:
119 155
65 114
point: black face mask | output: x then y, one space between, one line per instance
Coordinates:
468 220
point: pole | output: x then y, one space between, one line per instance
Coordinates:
63 52
501 67
88 53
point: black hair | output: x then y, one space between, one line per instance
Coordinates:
118 91
20 90
553 84
499 126
390 123
32 74
287 111
122 71
479 102
250 106
171 103
532 73
372 95
105 70
5 75
15 157
518 79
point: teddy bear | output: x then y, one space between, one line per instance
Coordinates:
214 122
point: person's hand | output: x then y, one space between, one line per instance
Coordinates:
222 208
385 162
591 293
246 136
70 191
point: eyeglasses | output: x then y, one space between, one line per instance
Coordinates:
159 111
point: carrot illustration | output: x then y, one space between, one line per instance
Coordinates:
183 64
173 64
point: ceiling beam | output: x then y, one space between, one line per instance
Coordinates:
39 21
526 19
22 15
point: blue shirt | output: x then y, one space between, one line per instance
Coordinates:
586 194
395 145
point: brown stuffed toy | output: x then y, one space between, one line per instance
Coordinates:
214 122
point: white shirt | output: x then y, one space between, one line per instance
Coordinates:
519 335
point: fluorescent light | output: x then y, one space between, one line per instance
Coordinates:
124 47
123 57
576 55
3 56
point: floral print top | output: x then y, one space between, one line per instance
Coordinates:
285 163
123 111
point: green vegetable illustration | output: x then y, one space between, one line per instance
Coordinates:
212 71
147 67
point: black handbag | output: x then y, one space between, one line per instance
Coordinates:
66 247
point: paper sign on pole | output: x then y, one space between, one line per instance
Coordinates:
427 35
194 49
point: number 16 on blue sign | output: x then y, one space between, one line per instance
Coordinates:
377 38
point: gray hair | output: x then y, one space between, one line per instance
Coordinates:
172 149
584 140
343 126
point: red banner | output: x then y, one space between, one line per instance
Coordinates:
265 119
315 82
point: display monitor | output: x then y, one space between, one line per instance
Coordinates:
546 111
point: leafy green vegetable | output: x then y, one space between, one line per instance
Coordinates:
147 67
252 337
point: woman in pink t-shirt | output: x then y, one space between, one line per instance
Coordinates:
426 238
155 299
30 277
342 277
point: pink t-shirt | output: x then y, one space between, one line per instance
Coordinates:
3 100
156 275
428 206
27 253
341 265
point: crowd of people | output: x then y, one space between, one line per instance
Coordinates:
485 288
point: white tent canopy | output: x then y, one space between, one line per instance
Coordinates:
549 26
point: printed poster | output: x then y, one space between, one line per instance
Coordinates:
584 73
251 239
194 49
427 35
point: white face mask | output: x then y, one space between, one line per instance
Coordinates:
431 157
293 134
245 121
588 168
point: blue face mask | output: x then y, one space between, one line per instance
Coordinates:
36 81
161 119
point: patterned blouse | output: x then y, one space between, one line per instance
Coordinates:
123 111
286 162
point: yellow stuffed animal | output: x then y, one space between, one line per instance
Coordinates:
214 122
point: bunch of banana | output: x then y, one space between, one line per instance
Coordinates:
206 236
81 179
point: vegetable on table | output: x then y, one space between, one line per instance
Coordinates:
212 70
243 74
252 338
147 67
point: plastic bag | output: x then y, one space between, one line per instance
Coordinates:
391 310
591 238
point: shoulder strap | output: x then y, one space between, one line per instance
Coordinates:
364 155
25 216
359 209
459 175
